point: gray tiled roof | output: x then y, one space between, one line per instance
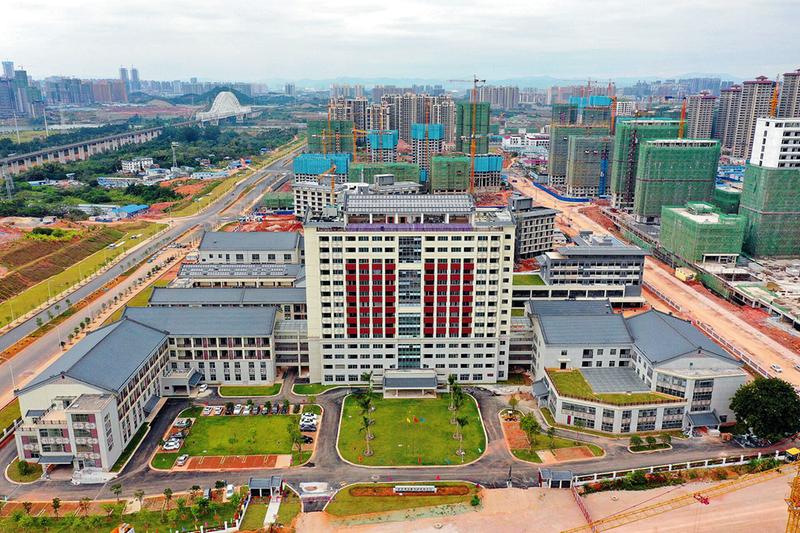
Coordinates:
584 329
416 382
570 307
207 321
227 296
105 358
221 241
660 337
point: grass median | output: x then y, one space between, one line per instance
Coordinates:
239 435
240 391
347 503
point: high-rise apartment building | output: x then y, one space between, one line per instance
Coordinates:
789 98
289 89
382 146
755 103
403 110
136 85
8 69
464 126
500 97
725 128
699 116
426 141
346 91
413 282
123 76
776 143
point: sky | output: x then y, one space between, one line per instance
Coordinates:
274 40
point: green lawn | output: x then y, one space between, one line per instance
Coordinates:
290 507
650 447
401 441
13 472
254 517
528 279
256 390
165 460
239 435
38 294
311 388
9 413
572 383
345 504
312 408
191 412
140 299
543 443
517 312
137 438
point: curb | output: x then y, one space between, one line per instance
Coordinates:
5 475
668 448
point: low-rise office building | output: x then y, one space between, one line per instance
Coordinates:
251 247
240 275
290 300
649 372
534 227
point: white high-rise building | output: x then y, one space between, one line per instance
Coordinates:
776 143
419 283
725 127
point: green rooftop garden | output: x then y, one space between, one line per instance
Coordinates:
571 383
528 279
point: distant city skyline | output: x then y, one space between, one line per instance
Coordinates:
305 40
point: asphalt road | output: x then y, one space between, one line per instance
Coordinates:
491 470
26 364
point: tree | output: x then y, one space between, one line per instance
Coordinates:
367 376
666 438
461 421
39 322
27 506
531 427
551 434
295 436
636 441
83 505
219 484
116 489
579 424
366 422
167 497
458 402
454 388
269 406
193 492
139 495
56 505
651 440
203 505
286 405
769 407
513 402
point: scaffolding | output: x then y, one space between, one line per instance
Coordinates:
771 204
559 147
464 127
627 138
699 231
330 136
585 164
366 172
727 199
449 174
673 172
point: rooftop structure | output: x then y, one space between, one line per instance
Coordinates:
699 233
251 247
211 321
226 296
241 275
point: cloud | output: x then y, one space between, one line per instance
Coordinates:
292 39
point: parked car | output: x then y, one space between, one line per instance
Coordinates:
275 409
229 491
203 387
172 445
776 368
182 423
181 460
237 410
206 410
307 439
255 410
218 410
308 427
180 435
264 409
246 410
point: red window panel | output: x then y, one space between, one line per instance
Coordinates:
350 277
469 267
363 299
364 331
390 278
390 267
454 299
466 331
389 332
352 321
455 267
350 266
390 310
454 310
441 278
466 299
441 331
352 331
466 310
389 299
428 331
454 320
429 299
428 309
469 277
453 332
352 299
429 277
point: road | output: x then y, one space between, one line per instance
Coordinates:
27 363
491 470
695 305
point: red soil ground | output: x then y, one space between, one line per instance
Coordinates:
238 462
570 454
492 198
515 437
271 223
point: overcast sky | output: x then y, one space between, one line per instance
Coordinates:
269 40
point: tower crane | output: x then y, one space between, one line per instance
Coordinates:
473 147
773 105
682 126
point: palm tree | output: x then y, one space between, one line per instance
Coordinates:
458 403
27 506
167 497
461 421
139 495
579 425
56 505
83 505
367 376
116 489
366 422
193 492
513 402
451 385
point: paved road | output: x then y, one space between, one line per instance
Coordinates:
27 363
696 305
491 470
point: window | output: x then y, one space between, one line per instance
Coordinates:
408 287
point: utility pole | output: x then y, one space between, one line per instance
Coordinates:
174 157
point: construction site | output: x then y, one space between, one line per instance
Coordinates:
699 233
770 202
588 165
673 172
559 148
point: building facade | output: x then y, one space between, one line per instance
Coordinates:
700 116
534 226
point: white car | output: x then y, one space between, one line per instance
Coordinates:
229 491
206 410
218 410
237 409
246 410
181 460
776 368
202 388
172 445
